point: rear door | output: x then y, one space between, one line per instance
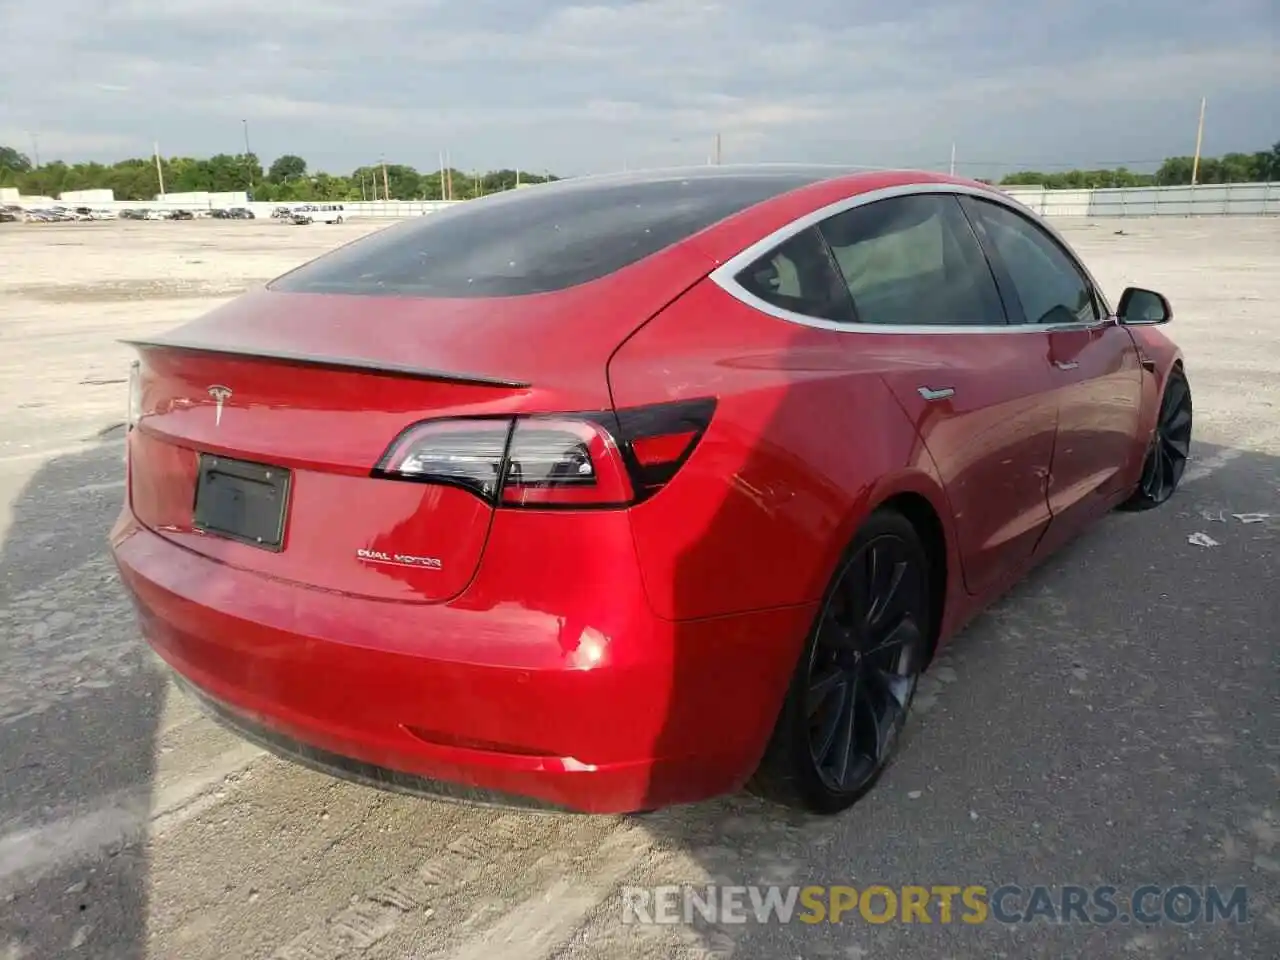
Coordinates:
930 314
1096 372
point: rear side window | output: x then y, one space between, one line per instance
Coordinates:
799 276
534 240
914 260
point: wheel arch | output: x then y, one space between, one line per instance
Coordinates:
916 492
923 515
775 776
1172 365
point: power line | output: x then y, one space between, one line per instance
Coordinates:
1042 165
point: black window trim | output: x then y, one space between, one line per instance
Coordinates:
725 275
834 266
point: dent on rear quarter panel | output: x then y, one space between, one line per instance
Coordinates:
802 445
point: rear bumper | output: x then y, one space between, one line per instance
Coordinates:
573 696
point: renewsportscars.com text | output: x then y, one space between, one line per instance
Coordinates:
1145 904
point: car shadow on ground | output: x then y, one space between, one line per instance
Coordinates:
78 723
1112 720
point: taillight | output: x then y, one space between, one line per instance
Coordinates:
659 438
565 460
460 453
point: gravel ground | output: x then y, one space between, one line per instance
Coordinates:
1114 720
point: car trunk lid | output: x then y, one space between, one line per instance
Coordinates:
265 464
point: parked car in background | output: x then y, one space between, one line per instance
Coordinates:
240 213
50 215
181 215
319 212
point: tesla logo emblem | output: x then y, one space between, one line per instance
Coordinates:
220 396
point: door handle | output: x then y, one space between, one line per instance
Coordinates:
931 394
1069 365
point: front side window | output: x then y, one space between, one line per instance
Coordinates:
914 260
798 276
1048 283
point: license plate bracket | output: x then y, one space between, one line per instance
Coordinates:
241 500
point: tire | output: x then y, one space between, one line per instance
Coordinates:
849 697
1166 458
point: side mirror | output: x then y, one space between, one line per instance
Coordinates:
1139 307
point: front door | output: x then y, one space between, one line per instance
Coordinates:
1095 369
1097 420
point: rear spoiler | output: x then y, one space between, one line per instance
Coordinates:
377 367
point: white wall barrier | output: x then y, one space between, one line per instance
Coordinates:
1203 200
1228 199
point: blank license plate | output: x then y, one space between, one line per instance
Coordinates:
242 501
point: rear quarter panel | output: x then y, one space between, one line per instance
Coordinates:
804 443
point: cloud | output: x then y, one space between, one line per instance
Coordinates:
593 86
63 144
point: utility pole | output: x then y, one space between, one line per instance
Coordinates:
1195 165
443 195
247 154
953 159
159 171
386 190
448 172
717 149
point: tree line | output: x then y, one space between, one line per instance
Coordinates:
289 179
1259 167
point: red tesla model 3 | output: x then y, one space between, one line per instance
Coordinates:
632 490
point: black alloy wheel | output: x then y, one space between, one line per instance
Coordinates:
851 692
1166 459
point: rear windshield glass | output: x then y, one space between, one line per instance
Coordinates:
534 240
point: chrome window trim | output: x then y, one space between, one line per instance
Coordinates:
724 276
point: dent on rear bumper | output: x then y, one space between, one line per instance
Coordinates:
574 694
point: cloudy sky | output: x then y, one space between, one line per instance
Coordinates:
595 86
